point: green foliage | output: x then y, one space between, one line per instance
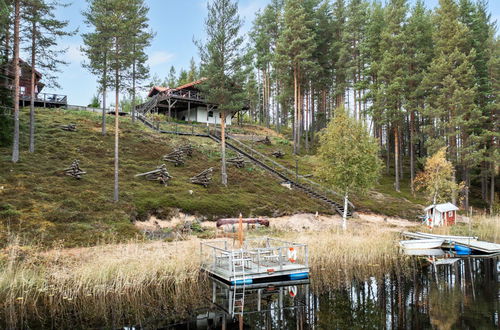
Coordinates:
94 102
45 30
348 155
221 56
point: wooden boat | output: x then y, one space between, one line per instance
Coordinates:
421 244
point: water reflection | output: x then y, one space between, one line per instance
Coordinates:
283 305
461 295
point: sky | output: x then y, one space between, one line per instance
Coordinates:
175 22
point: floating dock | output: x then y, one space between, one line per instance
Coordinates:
258 260
450 241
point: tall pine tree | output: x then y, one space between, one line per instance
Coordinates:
222 60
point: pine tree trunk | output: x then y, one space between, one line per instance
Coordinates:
32 94
492 187
7 50
467 187
388 150
15 142
396 158
306 119
117 135
223 148
104 92
412 151
133 88
299 110
295 108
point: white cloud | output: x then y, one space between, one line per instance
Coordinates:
74 54
249 10
159 57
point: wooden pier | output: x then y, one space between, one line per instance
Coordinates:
449 241
257 260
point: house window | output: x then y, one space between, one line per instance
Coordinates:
210 114
450 213
22 90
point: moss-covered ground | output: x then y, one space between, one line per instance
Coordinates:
38 201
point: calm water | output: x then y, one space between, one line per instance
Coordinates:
464 295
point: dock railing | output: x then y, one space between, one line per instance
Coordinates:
267 255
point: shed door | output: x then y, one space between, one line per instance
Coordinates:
450 217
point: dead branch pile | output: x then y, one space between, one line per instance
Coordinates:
74 170
203 178
265 141
278 154
69 127
187 149
237 161
160 174
177 157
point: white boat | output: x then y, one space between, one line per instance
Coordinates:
414 244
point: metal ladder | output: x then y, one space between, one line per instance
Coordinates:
238 272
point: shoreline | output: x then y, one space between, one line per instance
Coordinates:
91 280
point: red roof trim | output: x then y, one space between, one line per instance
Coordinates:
191 84
158 89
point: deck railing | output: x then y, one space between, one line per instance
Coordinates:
266 253
46 98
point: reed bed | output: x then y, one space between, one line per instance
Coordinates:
337 257
485 227
119 284
111 284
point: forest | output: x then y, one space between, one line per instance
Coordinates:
418 79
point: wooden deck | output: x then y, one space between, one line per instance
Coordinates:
45 100
259 260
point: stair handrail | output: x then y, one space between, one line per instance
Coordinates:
289 171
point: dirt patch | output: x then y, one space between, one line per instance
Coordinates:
376 219
319 222
305 222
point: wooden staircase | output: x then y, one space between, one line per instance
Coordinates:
264 162
306 185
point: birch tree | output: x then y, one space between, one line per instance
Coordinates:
348 156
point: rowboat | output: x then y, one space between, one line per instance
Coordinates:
415 244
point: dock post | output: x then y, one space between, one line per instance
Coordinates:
258 260
281 258
307 255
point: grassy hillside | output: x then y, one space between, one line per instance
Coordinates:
383 199
39 201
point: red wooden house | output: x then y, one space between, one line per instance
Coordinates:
41 99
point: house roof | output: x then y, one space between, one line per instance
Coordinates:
442 207
157 89
22 62
160 89
191 84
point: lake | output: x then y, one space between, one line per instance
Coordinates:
464 295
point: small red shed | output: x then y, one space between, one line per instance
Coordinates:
440 215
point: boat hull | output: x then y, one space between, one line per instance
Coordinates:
420 244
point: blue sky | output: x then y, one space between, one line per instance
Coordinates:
175 22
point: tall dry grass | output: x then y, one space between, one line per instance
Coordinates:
337 256
486 228
121 284
110 284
